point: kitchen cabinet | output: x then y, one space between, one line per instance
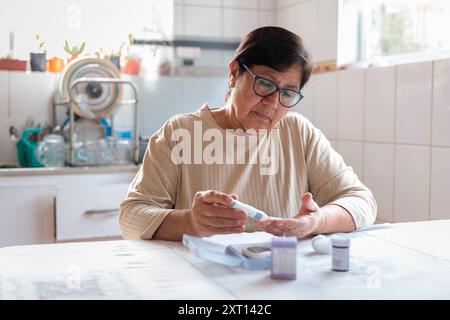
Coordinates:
40 206
26 214
84 212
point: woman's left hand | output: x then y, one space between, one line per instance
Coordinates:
306 222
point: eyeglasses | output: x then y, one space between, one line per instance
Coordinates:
264 88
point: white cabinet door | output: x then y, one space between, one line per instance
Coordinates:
26 215
84 212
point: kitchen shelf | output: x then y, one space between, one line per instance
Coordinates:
68 170
203 43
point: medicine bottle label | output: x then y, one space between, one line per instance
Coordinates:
284 261
341 258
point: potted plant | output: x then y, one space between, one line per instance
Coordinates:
55 65
38 59
75 51
114 57
10 62
133 64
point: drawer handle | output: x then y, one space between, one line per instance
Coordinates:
104 212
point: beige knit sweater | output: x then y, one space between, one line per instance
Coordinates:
307 163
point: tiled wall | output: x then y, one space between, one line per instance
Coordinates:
100 23
316 21
30 95
22 96
392 125
221 18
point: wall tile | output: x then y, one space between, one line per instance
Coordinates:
249 4
353 154
178 20
8 148
31 94
440 183
4 94
159 102
327 26
441 103
307 105
266 18
334 145
198 91
379 177
413 104
326 103
267 4
202 21
284 3
380 104
8 151
228 56
301 19
210 58
350 104
237 23
215 3
411 183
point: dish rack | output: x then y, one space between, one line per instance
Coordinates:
71 104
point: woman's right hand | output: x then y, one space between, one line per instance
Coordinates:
210 214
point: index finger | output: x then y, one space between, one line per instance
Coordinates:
227 213
216 197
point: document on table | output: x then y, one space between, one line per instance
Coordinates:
103 270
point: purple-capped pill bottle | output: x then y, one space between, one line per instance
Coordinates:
340 257
284 258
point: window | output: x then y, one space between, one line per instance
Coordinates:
393 31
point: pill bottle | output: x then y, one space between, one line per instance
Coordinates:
284 258
340 247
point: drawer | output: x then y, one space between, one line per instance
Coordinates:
84 212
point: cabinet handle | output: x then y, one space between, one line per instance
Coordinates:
104 212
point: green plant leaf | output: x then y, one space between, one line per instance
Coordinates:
66 47
82 47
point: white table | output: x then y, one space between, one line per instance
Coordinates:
401 261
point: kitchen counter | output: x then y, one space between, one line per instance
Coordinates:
399 261
13 172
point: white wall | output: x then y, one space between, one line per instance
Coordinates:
391 125
25 95
101 23
316 21
221 18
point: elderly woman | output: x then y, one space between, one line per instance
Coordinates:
197 163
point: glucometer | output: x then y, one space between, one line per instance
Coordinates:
252 212
233 255
256 252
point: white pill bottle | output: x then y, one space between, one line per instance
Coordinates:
340 257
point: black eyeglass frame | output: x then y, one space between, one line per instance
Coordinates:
256 77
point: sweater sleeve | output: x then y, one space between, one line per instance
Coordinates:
152 193
331 181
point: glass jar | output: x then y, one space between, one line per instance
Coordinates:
51 151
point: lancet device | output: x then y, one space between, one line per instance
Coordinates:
251 211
